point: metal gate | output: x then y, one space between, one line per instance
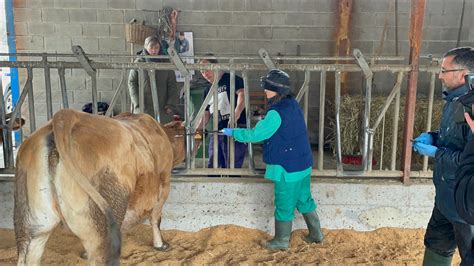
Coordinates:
91 63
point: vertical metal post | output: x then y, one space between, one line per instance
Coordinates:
365 126
124 98
6 134
215 122
337 100
396 118
322 101
62 81
141 90
154 95
47 83
429 115
248 115
416 32
232 120
31 99
187 119
94 93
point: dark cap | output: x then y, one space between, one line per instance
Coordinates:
276 80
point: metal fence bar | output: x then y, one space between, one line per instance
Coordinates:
430 111
215 121
187 119
232 120
337 101
322 98
248 116
117 93
220 66
6 134
154 95
94 93
62 81
47 83
396 118
141 91
31 101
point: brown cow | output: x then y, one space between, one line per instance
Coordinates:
96 175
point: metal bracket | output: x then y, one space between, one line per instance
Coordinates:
83 60
177 61
362 63
266 58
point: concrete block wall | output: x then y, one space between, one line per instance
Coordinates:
233 27
342 204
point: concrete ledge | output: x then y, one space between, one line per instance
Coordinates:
196 203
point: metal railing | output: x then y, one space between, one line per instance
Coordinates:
244 65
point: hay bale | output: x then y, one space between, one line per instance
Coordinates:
351 114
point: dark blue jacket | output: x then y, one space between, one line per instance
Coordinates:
289 146
450 139
465 188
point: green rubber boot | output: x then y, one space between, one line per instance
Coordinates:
433 259
282 236
312 221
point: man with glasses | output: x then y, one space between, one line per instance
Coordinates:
446 230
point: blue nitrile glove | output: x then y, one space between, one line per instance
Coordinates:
425 149
425 138
227 131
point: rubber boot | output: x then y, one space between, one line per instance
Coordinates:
282 236
432 259
312 221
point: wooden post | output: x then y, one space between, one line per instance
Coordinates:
416 30
343 42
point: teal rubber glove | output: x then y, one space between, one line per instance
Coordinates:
425 138
227 131
425 149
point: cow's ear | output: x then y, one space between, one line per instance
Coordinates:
172 124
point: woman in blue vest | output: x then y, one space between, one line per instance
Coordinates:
288 157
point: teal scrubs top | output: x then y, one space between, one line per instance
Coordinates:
264 130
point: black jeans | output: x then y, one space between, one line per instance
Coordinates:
442 236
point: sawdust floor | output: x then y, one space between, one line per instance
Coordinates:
230 244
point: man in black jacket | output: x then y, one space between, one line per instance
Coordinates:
446 230
464 192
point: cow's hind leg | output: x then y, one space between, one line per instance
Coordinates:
34 217
99 232
155 220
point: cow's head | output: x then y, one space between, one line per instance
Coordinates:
178 137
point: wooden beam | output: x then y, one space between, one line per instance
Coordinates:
343 42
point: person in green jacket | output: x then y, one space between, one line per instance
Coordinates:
167 87
288 157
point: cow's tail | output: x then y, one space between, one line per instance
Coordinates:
63 125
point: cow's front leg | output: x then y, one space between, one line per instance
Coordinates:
155 220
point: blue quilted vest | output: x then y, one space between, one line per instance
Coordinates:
289 146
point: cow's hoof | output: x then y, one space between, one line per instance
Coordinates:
84 255
164 247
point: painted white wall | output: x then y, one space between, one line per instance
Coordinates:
3 28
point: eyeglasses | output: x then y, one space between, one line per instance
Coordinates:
442 71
